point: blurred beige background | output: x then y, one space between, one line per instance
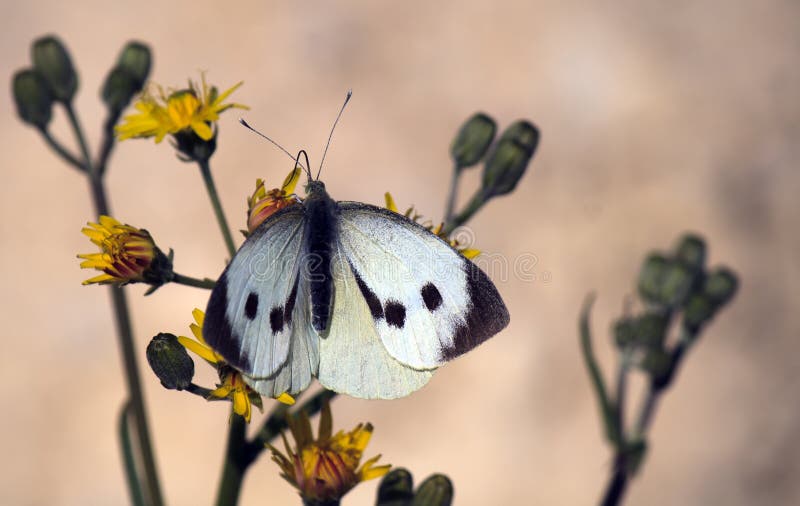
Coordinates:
656 117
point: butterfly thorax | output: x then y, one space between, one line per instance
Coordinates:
322 224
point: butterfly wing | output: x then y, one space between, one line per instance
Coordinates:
352 359
257 308
428 303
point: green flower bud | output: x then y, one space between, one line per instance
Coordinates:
720 286
52 60
136 59
624 331
691 251
676 284
651 277
396 488
170 361
658 363
697 311
118 90
32 96
651 330
473 140
437 490
509 159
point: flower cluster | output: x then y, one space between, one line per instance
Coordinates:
263 203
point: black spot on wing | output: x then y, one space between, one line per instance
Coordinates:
289 309
486 314
217 330
431 296
276 319
251 306
395 314
374 304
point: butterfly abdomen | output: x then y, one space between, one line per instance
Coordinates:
322 226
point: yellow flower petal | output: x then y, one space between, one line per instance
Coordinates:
390 205
199 349
285 398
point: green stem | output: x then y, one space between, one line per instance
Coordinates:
477 201
195 282
128 457
62 151
205 170
233 468
124 332
606 407
451 197
108 143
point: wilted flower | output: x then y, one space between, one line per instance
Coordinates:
412 215
128 255
263 203
195 109
233 386
326 468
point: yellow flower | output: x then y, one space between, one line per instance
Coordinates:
326 468
127 254
195 108
233 386
263 203
412 215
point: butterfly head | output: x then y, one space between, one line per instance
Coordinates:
315 189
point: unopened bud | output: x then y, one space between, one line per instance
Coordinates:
437 490
170 361
691 251
721 286
136 60
396 488
651 277
52 60
32 96
509 159
118 90
677 283
473 140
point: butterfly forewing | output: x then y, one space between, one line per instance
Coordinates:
251 311
428 303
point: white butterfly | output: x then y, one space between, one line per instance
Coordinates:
362 298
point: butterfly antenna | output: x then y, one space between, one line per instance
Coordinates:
346 99
247 125
297 161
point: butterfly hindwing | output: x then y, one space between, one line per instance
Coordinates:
428 303
352 358
251 312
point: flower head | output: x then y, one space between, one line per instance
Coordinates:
263 203
195 109
232 384
326 468
128 255
412 215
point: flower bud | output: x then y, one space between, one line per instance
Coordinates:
136 60
720 286
473 140
677 283
658 364
624 331
691 251
651 330
509 159
437 490
52 60
32 96
170 361
697 310
118 90
651 277
396 488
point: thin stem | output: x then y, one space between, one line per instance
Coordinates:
108 143
477 201
124 332
451 197
618 484
622 386
195 282
62 151
202 392
128 457
233 468
607 411
205 170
